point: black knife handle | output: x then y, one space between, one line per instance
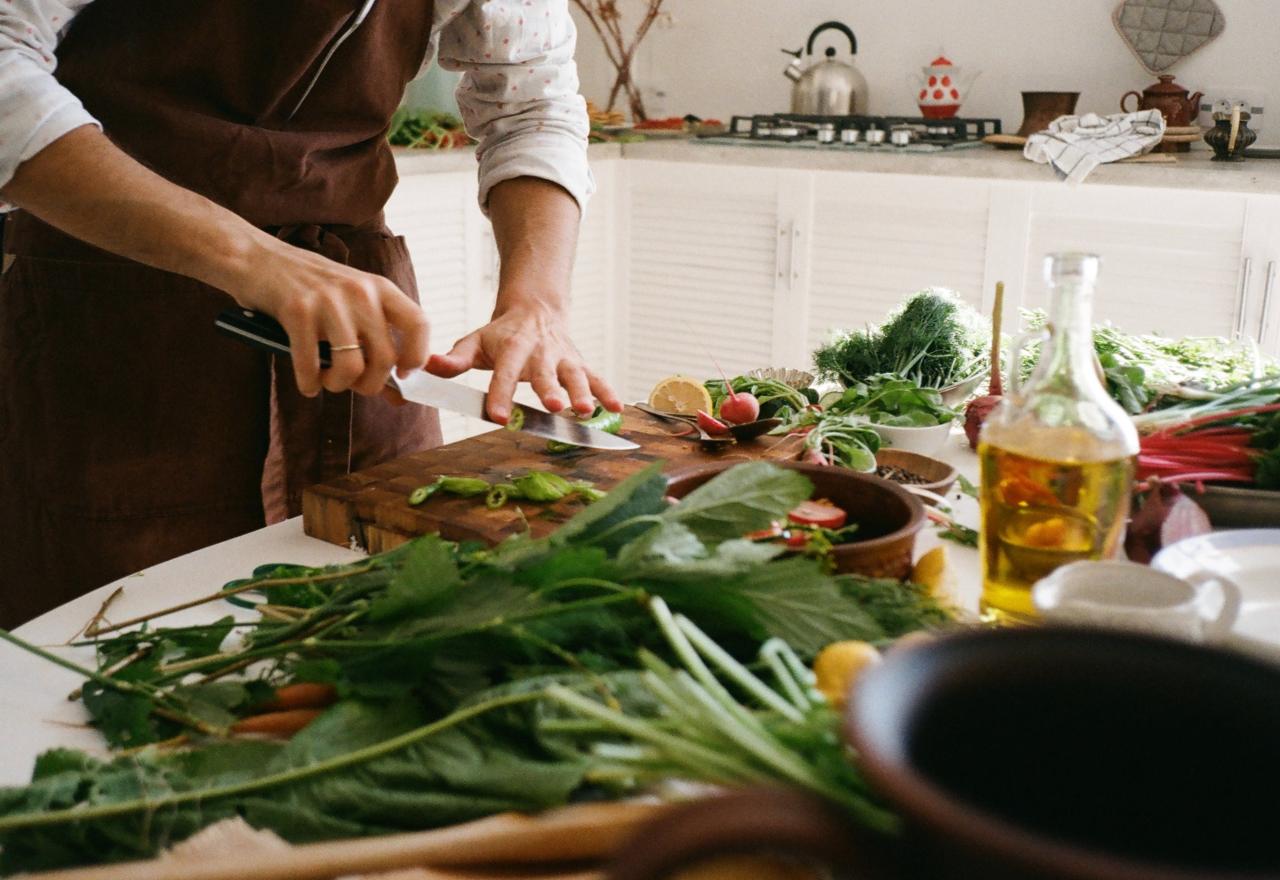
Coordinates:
261 331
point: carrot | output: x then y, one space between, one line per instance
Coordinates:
303 695
277 724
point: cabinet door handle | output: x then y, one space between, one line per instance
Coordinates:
784 240
1266 300
791 260
1242 301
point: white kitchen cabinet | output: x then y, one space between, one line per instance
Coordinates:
877 237
456 261
437 215
705 256
1259 302
681 263
1171 260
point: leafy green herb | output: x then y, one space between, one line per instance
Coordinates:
966 486
777 399
886 399
935 339
839 438
464 672
427 130
961 534
1145 371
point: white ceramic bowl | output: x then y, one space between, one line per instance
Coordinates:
925 441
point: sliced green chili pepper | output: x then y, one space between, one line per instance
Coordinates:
422 493
467 487
588 492
496 498
600 420
543 486
516 421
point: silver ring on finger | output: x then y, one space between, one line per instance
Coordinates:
334 349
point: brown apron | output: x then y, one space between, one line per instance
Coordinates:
130 432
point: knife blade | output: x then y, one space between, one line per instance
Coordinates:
264 332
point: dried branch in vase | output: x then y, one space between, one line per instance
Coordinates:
606 19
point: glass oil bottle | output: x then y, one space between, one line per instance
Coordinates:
1057 456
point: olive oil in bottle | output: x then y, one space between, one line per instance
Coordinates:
1057 457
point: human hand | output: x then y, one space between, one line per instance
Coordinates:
528 342
317 299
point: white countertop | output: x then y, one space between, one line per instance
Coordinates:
1192 171
35 714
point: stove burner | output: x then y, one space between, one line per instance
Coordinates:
900 130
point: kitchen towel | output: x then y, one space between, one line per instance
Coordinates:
1075 145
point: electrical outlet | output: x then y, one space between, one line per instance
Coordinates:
1253 100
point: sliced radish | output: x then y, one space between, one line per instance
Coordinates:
823 514
711 424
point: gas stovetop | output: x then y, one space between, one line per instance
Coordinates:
908 133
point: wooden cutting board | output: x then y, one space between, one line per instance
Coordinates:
371 507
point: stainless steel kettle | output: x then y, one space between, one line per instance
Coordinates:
827 87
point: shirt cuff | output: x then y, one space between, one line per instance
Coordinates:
61 117
545 155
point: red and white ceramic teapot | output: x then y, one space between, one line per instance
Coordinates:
941 88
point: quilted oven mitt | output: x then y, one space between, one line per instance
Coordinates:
1163 32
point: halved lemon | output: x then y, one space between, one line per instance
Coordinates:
680 394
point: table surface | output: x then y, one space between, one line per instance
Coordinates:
35 714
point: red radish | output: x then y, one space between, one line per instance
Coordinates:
711 424
981 407
813 455
738 407
823 514
797 539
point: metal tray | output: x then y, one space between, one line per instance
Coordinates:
1230 507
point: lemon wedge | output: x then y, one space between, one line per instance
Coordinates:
933 572
680 394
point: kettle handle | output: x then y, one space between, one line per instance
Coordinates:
833 26
775 821
1125 109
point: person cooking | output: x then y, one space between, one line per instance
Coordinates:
165 159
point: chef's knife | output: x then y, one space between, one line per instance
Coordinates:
262 331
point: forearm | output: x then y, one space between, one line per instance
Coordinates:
535 225
89 188
84 185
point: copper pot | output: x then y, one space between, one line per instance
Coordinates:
1052 754
1041 108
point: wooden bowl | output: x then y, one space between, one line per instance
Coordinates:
888 516
938 476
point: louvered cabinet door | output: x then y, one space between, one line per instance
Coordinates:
878 238
702 268
432 211
1171 261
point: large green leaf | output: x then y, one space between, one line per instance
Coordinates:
795 601
459 773
743 499
427 581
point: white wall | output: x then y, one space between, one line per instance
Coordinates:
720 57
